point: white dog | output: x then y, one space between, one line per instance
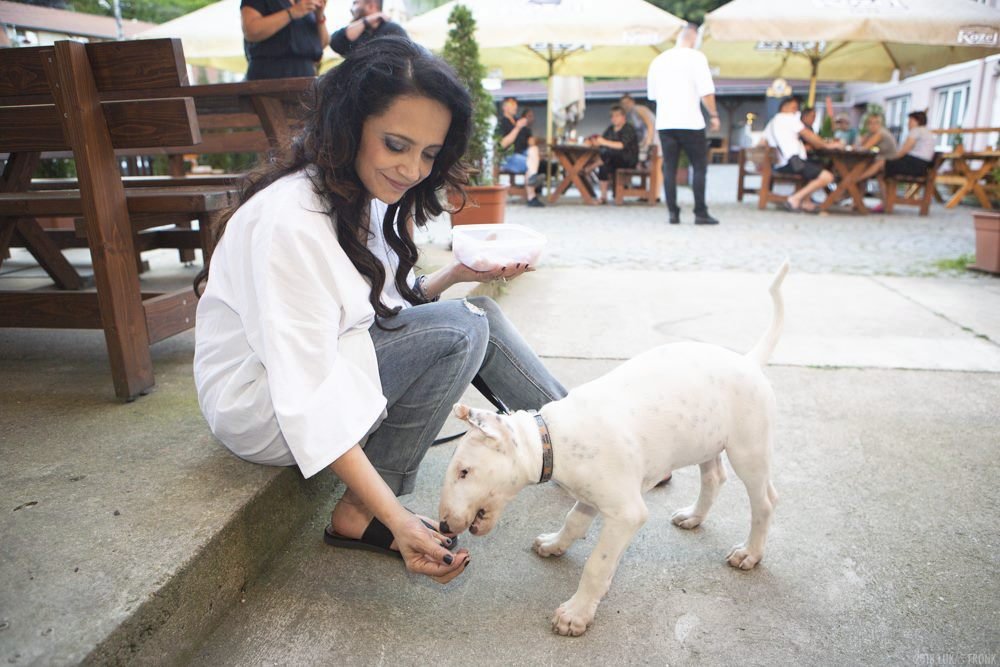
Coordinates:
614 438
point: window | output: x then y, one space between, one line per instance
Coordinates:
949 110
896 109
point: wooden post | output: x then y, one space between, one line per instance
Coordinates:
109 230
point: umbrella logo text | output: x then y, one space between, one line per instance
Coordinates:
977 35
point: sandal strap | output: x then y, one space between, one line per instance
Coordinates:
378 534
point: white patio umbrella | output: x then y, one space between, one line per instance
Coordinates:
846 40
212 36
530 39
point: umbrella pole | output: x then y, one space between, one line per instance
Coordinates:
548 125
812 80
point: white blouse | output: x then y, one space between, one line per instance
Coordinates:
284 366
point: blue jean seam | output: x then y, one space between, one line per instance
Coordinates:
513 359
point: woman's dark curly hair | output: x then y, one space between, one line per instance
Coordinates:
366 84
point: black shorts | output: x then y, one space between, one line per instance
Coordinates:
908 165
807 169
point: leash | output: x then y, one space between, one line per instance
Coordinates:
485 390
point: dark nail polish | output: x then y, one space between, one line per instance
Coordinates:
448 560
466 563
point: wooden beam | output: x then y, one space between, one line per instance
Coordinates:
169 314
108 226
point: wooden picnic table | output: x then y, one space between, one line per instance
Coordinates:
574 159
972 177
848 165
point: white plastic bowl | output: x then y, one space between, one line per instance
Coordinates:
483 247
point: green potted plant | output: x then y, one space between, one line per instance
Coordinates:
485 202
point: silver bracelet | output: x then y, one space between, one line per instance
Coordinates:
418 287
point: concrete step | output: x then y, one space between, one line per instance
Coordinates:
128 530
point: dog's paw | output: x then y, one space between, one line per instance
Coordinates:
548 545
740 557
686 518
573 617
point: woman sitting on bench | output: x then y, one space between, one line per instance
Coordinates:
914 157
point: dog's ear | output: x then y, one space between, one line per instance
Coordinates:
461 411
486 422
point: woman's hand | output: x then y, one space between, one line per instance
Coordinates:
424 552
460 273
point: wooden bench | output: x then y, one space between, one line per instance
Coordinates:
245 117
646 187
919 189
93 99
515 181
759 161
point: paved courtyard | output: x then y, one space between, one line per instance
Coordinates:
130 535
638 236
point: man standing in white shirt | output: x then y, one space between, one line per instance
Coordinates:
679 80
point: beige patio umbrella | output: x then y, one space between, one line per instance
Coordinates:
846 40
531 39
212 36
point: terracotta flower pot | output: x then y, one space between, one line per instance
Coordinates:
485 205
987 241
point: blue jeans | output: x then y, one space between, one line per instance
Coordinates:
516 163
427 365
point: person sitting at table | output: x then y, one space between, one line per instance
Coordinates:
788 135
619 150
879 138
281 40
914 157
843 131
808 116
525 158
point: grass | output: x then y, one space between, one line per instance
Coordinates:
957 264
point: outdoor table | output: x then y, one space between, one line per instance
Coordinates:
574 159
973 176
848 165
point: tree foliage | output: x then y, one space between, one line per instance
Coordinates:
153 11
462 52
689 10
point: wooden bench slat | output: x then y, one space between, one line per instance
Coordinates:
132 124
165 313
115 66
191 199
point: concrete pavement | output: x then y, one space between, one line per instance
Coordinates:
131 536
884 541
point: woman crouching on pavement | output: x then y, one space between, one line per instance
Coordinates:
316 345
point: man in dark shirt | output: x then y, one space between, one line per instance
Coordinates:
515 134
367 23
619 149
283 38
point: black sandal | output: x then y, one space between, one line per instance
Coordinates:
377 538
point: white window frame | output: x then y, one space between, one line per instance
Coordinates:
896 111
945 111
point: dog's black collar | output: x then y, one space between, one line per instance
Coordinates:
543 431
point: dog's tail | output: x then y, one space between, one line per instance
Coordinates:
761 352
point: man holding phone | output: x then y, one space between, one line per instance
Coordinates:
283 38
368 22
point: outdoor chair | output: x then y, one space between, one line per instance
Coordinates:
919 189
718 147
758 161
625 179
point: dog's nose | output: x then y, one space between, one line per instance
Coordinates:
444 527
